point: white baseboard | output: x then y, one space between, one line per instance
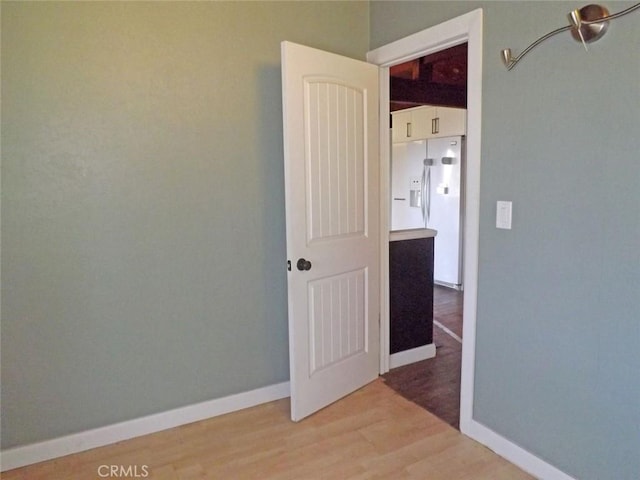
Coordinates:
512 452
410 356
78 442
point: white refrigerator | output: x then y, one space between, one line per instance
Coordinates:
427 191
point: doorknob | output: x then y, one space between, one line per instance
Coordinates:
303 264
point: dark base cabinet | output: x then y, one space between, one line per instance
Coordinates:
411 293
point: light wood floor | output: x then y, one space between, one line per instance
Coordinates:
372 434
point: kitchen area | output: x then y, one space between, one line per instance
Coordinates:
427 217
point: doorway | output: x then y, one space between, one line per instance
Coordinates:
466 28
435 80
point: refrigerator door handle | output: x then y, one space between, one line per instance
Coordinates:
422 192
428 196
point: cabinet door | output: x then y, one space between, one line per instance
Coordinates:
401 127
421 122
448 122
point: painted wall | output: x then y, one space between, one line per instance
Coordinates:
143 260
558 333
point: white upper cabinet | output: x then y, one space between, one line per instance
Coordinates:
425 122
449 121
412 124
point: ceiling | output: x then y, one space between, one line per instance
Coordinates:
436 79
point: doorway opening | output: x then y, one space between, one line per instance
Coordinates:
464 29
435 80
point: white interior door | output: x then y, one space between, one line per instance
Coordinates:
332 213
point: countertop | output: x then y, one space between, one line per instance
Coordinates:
411 234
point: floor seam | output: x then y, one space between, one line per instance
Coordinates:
447 331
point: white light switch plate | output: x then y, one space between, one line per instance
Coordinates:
503 215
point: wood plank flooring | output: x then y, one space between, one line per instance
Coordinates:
447 308
371 434
434 384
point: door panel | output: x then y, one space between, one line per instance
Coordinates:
335 161
337 318
446 209
407 167
330 111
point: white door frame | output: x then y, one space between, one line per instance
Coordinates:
465 28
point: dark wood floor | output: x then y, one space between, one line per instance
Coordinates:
434 384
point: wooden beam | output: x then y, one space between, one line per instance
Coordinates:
418 92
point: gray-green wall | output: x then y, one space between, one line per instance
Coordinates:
558 326
143 248
143 215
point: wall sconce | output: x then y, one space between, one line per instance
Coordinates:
586 24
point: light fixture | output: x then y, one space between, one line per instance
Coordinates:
586 24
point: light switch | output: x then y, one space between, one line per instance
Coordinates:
503 215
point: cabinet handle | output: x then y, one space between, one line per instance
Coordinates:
408 129
435 125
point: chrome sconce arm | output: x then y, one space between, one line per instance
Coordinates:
510 61
586 24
